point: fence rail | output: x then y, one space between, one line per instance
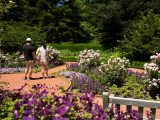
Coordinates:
129 102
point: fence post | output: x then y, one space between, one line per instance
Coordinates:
105 100
153 113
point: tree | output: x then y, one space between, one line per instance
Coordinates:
107 18
14 34
142 38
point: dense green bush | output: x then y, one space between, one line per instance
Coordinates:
142 38
132 89
12 60
76 46
137 64
67 52
114 53
69 58
115 71
14 34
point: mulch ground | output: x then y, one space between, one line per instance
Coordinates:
56 82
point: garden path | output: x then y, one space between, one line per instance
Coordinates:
16 81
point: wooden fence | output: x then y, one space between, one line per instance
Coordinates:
129 102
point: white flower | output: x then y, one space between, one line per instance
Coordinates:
155 84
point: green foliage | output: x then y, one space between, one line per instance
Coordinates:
12 60
7 104
76 46
115 71
114 53
89 58
111 24
67 52
132 89
142 38
69 58
78 21
137 64
14 34
5 6
89 29
7 108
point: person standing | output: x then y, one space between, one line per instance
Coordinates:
43 57
30 58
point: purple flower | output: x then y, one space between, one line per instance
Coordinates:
63 110
16 114
46 111
28 118
11 70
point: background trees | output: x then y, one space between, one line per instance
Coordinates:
102 21
142 38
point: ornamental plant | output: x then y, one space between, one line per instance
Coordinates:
89 58
11 60
38 104
151 69
116 70
133 88
2 56
82 82
156 59
53 53
153 87
153 82
11 70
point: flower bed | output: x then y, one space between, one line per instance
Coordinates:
82 82
38 104
116 76
11 70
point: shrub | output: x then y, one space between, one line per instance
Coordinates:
131 89
116 70
137 64
76 46
153 87
142 39
14 34
12 60
156 59
69 58
153 81
114 53
151 69
53 53
89 58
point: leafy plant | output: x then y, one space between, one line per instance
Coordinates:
137 64
131 89
12 60
38 104
116 70
89 58
14 34
141 39
83 83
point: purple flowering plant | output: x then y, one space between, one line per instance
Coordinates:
40 104
82 82
138 75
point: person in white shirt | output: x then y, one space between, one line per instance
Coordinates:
43 57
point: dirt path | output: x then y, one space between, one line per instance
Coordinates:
16 80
